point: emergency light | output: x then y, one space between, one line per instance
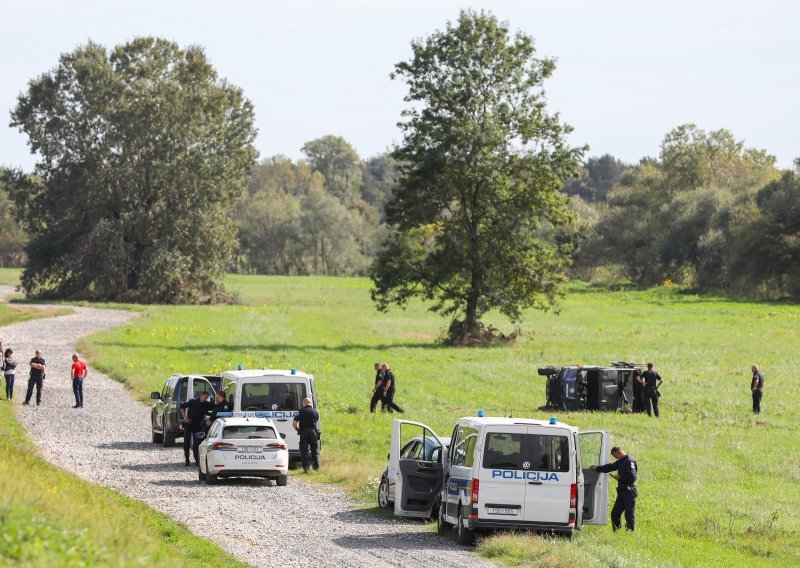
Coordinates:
553 420
480 413
293 371
240 367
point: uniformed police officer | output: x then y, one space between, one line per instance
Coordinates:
626 488
651 381
388 389
221 404
377 393
757 388
306 423
193 412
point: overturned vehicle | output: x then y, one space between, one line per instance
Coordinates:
579 387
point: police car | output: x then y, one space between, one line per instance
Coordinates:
243 447
503 473
421 448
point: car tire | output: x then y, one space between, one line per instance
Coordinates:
157 438
200 475
168 438
282 480
211 479
443 528
383 494
466 537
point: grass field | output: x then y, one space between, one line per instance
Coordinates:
717 487
49 517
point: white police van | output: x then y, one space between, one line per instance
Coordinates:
273 394
504 473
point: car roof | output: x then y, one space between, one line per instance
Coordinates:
480 421
246 421
258 373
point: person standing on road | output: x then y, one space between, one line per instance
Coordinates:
377 392
627 473
651 381
306 423
221 404
388 389
757 388
9 371
36 379
193 412
78 373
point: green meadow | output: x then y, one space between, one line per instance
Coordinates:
717 485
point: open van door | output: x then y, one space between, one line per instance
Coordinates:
417 478
595 448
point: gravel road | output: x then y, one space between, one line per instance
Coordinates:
108 442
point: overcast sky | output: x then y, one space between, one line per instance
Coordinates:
628 71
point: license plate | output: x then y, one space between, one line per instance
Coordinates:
250 450
502 511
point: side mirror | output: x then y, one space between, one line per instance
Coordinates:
155 395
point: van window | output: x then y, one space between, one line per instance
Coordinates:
230 390
248 432
465 449
526 451
199 386
272 396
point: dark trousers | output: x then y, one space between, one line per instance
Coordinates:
376 398
626 501
77 389
9 387
651 396
308 441
388 402
189 442
37 382
757 401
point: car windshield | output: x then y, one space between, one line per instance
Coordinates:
272 396
248 432
526 451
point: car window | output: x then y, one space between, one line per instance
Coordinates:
410 451
465 446
165 392
200 385
526 451
181 388
214 430
216 382
230 390
248 432
272 396
432 450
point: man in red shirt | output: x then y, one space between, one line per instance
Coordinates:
79 372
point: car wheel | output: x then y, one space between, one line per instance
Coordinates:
168 438
211 479
442 527
282 480
200 475
466 537
383 494
157 438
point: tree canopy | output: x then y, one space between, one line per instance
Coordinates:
142 152
481 166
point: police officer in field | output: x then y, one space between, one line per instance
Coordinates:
377 392
306 423
651 381
627 472
193 413
757 388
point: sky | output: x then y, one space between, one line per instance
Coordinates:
627 71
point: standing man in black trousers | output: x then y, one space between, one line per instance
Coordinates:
651 381
37 378
306 423
627 472
388 388
193 412
377 392
757 388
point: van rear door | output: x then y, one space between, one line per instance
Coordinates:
502 479
417 482
549 474
594 449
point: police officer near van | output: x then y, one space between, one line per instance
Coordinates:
651 381
193 412
627 473
306 423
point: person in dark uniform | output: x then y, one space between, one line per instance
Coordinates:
221 404
757 388
651 381
193 412
306 423
36 379
388 389
638 391
627 473
377 392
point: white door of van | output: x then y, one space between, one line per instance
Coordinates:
594 449
502 485
548 475
417 482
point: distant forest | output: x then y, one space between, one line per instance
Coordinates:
707 212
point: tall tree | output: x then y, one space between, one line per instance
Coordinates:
481 163
339 163
12 236
143 152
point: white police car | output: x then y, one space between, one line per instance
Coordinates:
243 447
503 473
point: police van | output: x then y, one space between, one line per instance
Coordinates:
273 394
503 473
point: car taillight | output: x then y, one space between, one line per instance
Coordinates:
573 496
279 445
221 446
475 491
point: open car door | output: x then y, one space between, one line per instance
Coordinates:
594 450
417 476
